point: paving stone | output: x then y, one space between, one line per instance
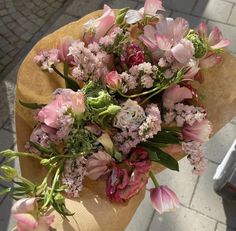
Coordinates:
213 9
232 18
26 36
81 8
193 20
185 6
217 147
205 200
121 4
143 215
183 219
7 139
228 31
176 180
221 227
230 211
10 124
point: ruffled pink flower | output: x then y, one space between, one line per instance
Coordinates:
98 165
150 8
113 80
25 210
63 48
215 39
175 94
199 131
163 199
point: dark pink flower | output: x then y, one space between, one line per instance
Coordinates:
163 199
113 80
63 48
199 131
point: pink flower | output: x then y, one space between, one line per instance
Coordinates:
25 212
98 165
183 51
192 69
113 80
175 94
163 199
210 60
215 39
134 56
150 8
199 131
63 48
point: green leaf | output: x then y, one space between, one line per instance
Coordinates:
40 148
163 158
32 105
166 137
4 191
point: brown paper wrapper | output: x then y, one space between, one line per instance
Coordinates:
93 212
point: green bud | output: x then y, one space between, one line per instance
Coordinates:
45 161
121 15
118 156
199 45
59 198
8 153
9 172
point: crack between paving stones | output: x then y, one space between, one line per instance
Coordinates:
230 13
149 225
194 190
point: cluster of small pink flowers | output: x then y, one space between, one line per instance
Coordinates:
89 61
185 113
110 38
152 125
129 82
73 175
47 58
196 156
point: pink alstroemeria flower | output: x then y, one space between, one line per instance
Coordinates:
199 131
67 98
101 25
113 80
215 39
192 68
163 199
63 48
175 94
98 165
25 212
150 8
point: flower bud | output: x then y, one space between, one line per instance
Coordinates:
113 80
59 198
9 172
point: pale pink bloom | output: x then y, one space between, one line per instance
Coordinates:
98 165
25 212
199 131
113 80
175 94
164 199
183 51
63 48
210 60
192 68
150 8
215 39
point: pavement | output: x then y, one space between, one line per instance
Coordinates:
23 23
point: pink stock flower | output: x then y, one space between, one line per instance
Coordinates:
98 165
163 199
63 48
113 80
175 94
150 8
199 131
25 212
215 39
134 56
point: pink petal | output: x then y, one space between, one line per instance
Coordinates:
210 61
163 42
192 69
26 219
181 27
202 29
24 205
133 16
149 37
215 36
152 6
165 27
221 44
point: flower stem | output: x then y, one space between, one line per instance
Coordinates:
140 94
154 180
57 71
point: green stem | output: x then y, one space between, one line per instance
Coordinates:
13 153
140 94
154 180
57 71
26 181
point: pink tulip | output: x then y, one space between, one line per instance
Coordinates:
25 212
175 94
150 8
63 48
98 165
163 199
199 131
113 80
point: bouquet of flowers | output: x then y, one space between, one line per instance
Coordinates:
128 101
